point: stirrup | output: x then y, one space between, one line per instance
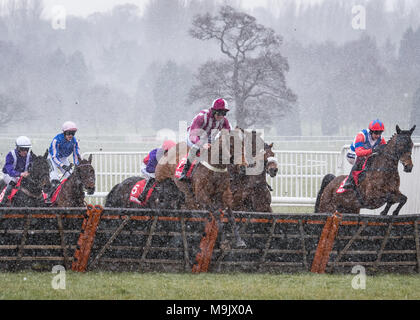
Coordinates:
142 196
183 174
348 185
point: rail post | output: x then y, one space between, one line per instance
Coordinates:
86 238
326 243
207 243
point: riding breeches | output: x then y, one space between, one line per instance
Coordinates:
192 154
351 157
7 179
56 171
358 163
147 175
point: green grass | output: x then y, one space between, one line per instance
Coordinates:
152 286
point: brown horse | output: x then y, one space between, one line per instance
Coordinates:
251 192
72 193
165 195
209 187
378 184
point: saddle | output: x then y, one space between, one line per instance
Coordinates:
358 177
55 194
138 189
180 168
13 193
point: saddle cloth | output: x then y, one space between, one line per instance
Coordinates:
56 192
180 167
138 189
12 194
356 175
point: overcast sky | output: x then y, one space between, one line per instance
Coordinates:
86 7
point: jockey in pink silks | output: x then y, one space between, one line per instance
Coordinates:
202 125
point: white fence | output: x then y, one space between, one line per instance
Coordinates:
296 184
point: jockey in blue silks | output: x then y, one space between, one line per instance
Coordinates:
62 146
16 165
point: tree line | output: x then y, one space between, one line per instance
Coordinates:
299 70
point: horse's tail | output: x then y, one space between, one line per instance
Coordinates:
325 181
112 198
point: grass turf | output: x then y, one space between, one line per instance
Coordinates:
154 286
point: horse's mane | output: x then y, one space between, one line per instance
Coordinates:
392 137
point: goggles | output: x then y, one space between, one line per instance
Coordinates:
69 133
220 112
23 149
377 132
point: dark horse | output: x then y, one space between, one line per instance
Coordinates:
209 187
30 191
165 195
72 193
379 185
251 192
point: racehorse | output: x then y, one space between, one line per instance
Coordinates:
209 186
251 192
378 184
30 191
165 195
72 192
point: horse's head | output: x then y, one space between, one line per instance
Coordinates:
39 170
400 146
86 174
270 161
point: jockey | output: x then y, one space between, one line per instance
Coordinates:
151 162
16 165
62 146
206 121
363 146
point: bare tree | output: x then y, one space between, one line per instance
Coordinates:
251 75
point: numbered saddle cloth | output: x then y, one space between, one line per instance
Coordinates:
138 189
180 167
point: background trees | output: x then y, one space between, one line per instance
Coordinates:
252 73
110 66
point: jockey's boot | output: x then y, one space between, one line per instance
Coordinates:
9 189
350 180
146 189
187 167
53 188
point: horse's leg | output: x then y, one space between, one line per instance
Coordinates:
386 209
401 199
239 243
227 200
